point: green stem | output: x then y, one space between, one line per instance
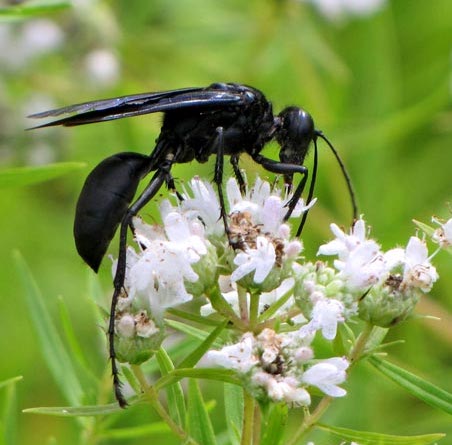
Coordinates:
353 357
152 396
360 345
224 308
248 419
243 303
254 310
310 420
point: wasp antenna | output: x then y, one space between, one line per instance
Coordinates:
344 172
311 189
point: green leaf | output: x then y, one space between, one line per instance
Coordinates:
136 431
370 438
199 425
205 321
196 355
428 230
10 381
420 388
32 8
56 356
174 392
8 433
222 375
21 176
77 411
233 406
275 424
192 331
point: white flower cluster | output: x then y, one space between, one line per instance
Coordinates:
362 263
162 270
281 366
263 278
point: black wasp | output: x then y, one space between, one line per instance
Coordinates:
221 119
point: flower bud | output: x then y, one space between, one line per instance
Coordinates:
388 304
137 337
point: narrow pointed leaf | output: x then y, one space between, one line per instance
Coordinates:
275 424
198 422
9 412
222 375
196 355
192 331
78 411
370 438
233 405
10 381
420 388
174 392
56 356
136 431
21 176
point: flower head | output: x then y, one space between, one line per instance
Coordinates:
443 235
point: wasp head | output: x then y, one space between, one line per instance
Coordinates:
294 135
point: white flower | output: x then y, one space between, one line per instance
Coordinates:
361 263
125 326
266 206
363 267
201 202
326 375
344 244
418 272
260 260
443 235
238 356
325 316
156 275
282 388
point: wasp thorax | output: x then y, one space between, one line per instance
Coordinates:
295 134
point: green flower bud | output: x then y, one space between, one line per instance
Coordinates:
137 337
388 304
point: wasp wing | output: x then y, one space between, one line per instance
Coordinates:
145 103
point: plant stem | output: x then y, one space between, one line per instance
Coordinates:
224 308
254 310
310 420
152 396
248 419
360 345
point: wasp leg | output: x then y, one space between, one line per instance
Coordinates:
289 170
238 174
159 178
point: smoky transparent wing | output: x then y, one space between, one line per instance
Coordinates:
128 106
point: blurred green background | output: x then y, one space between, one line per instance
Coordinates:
377 82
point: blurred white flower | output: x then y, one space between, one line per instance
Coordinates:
21 43
338 9
102 67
